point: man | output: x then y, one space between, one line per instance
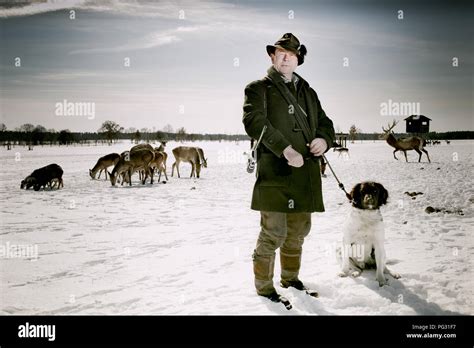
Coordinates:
288 185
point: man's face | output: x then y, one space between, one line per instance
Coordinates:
284 61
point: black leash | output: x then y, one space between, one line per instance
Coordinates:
341 185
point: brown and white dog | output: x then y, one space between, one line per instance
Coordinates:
363 240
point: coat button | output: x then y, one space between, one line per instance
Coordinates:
270 141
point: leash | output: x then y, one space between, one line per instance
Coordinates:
341 185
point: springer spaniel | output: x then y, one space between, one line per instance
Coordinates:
364 233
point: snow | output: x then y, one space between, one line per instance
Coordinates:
185 247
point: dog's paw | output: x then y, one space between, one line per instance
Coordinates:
396 275
382 281
342 274
355 274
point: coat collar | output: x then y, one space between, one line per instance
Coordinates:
278 78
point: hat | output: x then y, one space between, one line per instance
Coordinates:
291 43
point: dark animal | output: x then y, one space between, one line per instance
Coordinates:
44 176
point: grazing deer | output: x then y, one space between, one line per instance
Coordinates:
193 155
141 172
103 163
142 147
405 144
130 162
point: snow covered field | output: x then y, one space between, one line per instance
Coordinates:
185 247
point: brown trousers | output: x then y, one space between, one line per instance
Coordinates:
287 232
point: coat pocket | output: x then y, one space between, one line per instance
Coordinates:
273 171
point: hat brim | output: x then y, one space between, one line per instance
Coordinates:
271 50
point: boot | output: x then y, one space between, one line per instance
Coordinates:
263 271
290 268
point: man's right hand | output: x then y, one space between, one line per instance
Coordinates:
293 157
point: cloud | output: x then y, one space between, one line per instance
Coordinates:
37 7
63 76
165 9
155 39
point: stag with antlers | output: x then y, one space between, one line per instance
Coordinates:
404 144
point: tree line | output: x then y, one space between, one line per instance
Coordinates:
110 132
451 135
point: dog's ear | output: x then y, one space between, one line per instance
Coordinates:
383 194
355 194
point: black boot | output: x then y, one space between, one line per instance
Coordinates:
276 297
297 284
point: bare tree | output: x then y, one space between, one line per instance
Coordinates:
353 133
168 129
111 130
136 137
146 132
181 134
65 137
38 135
27 128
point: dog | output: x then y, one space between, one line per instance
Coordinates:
363 239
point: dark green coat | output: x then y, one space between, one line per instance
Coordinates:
280 187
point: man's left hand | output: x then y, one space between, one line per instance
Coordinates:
318 146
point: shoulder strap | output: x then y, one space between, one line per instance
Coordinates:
300 114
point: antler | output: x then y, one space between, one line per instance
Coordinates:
390 126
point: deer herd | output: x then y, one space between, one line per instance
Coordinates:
147 161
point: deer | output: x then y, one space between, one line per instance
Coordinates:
141 173
130 162
404 144
162 146
142 147
193 155
103 163
341 150
159 163
161 149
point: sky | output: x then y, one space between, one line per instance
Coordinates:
189 61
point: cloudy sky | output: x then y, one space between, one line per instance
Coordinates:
190 60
